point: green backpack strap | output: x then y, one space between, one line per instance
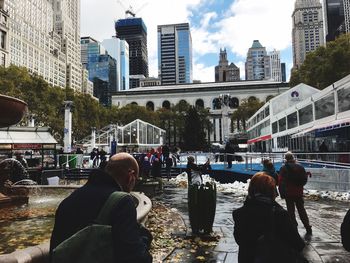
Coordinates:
104 217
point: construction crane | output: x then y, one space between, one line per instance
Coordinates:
129 12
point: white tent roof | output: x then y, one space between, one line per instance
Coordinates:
27 135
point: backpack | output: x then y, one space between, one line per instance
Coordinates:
93 243
297 176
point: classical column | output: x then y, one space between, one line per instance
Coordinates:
68 107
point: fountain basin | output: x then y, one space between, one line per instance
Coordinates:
12 110
38 222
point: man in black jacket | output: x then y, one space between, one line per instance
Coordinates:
81 208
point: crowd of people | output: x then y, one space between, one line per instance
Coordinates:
263 229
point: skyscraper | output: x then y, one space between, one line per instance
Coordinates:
119 50
347 15
275 65
257 66
307 33
134 31
224 71
334 21
4 49
175 54
67 25
45 38
283 69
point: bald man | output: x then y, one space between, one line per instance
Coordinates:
131 241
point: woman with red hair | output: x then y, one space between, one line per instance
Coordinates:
263 229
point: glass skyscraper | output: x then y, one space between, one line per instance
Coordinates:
175 54
134 31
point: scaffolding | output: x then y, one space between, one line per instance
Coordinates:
137 135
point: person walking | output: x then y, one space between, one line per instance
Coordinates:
291 180
131 241
229 150
269 169
263 229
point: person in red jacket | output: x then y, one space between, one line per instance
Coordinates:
292 191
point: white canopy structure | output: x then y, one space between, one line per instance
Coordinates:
136 134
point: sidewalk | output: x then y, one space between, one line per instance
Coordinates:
324 247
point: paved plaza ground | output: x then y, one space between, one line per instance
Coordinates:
323 247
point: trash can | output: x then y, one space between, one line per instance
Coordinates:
201 207
62 160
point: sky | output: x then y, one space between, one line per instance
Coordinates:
214 24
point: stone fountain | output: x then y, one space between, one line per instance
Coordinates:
12 111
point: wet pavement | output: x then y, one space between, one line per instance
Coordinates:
323 247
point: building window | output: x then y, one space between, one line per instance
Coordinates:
324 107
344 99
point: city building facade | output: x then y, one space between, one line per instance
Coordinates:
4 48
89 47
308 31
150 82
275 65
175 54
119 50
224 71
257 66
44 37
347 15
283 70
67 25
87 86
102 72
334 20
134 32
205 95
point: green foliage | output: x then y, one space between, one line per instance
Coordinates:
325 65
247 109
131 112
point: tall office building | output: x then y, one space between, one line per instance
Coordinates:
45 38
103 73
283 70
275 65
224 71
67 25
307 32
4 49
175 54
119 50
347 15
334 21
89 47
257 66
134 31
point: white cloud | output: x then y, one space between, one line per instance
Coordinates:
266 20
203 73
269 21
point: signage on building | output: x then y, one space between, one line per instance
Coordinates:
295 96
27 146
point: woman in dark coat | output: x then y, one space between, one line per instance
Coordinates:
261 217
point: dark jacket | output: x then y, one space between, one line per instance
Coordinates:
345 231
293 190
252 221
81 209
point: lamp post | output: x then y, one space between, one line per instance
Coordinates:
68 107
225 119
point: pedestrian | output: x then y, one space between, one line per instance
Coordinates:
269 169
229 150
156 168
146 167
168 165
130 240
291 180
345 231
194 171
263 229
